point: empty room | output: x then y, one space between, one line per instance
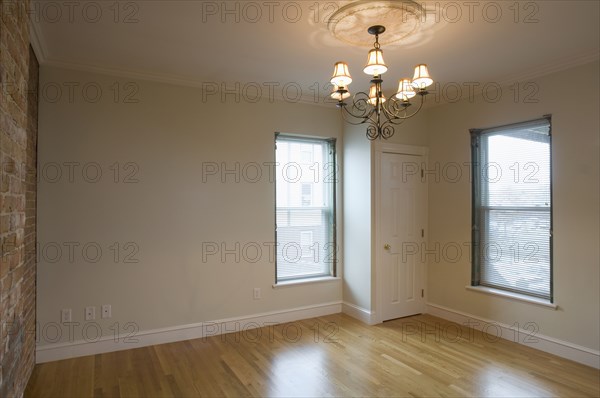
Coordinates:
377 198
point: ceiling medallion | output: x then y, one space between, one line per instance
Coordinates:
402 18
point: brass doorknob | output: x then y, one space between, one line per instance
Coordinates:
387 246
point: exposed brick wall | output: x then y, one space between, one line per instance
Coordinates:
18 157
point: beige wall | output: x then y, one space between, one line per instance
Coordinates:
572 99
170 212
357 217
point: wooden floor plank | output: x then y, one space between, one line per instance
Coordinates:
327 356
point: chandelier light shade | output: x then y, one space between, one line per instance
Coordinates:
339 93
375 64
374 94
405 90
372 108
422 79
341 75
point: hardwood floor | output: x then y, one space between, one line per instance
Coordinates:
328 356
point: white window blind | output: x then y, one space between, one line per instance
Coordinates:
305 207
512 208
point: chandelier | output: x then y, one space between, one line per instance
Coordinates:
380 113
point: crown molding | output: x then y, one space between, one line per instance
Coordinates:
277 95
530 74
40 48
527 75
558 65
124 73
41 51
36 39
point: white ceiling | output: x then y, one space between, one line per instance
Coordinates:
187 42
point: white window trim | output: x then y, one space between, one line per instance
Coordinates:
513 296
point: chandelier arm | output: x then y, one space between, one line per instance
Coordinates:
419 108
397 118
372 132
387 129
395 121
345 112
389 113
373 128
402 114
359 109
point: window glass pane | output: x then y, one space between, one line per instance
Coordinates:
512 214
517 171
516 252
304 214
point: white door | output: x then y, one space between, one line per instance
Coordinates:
402 219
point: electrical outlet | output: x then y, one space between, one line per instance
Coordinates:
65 315
90 313
106 311
256 293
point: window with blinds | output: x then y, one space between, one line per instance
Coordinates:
512 208
305 207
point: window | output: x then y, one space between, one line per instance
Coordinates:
512 208
305 207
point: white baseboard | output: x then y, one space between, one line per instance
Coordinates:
564 349
58 351
359 313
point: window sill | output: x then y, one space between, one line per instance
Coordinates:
513 296
296 282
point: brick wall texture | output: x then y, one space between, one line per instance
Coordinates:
18 142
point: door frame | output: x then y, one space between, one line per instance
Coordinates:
378 149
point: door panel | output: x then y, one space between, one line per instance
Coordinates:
402 220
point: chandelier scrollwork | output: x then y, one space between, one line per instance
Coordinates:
379 113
